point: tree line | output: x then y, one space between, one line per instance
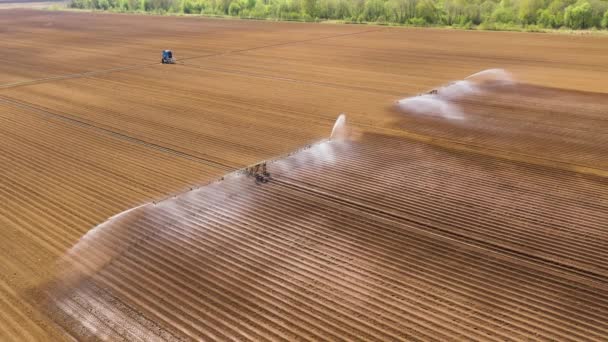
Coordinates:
483 14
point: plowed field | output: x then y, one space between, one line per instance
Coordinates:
431 246
477 213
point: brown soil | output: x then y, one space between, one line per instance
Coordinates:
489 227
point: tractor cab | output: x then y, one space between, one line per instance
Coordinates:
167 57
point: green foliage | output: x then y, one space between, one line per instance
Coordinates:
503 15
532 28
579 15
373 10
546 19
343 10
234 8
310 7
486 9
528 15
598 9
326 9
417 21
527 11
103 4
426 9
400 11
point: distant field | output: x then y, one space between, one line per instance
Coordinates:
476 213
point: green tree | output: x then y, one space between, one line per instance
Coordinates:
260 10
486 9
417 22
402 10
579 15
373 10
503 15
121 5
557 8
234 8
103 4
357 7
426 10
310 8
487 14
598 8
472 14
343 9
326 9
546 19
453 10
186 6
528 10
223 6
279 9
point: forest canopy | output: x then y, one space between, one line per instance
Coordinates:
483 14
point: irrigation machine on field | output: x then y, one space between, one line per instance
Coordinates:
260 173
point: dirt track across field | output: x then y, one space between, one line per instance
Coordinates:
478 212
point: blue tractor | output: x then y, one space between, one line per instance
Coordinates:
167 57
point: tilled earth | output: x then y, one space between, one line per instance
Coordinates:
479 213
